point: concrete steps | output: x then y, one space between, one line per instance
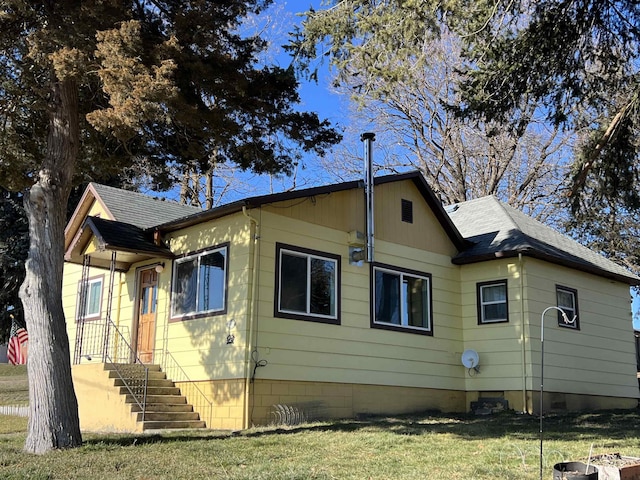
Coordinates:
166 407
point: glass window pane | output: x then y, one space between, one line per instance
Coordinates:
293 283
185 287
495 311
387 297
211 281
93 298
323 291
565 299
494 293
417 302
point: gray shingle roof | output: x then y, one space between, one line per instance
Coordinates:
141 210
124 236
498 230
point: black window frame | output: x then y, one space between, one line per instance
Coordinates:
307 315
561 323
225 297
401 272
480 303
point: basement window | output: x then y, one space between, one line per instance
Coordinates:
407 210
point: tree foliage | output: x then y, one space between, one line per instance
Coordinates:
88 90
400 63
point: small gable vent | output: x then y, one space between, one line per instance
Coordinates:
407 211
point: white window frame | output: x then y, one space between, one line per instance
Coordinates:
482 303
571 311
404 319
87 298
224 249
309 255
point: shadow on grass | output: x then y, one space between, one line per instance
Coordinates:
613 425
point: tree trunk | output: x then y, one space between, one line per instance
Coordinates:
53 407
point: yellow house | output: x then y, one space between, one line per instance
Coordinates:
283 308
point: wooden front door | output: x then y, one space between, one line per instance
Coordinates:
147 301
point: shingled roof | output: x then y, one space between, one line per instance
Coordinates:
139 209
498 230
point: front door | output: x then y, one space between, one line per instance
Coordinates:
147 301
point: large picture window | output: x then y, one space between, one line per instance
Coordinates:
92 294
493 305
568 301
307 284
200 284
401 299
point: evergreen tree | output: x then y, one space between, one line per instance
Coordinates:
89 89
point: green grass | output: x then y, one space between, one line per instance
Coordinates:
14 387
413 447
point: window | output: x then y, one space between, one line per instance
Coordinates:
92 298
200 284
401 299
493 305
307 284
568 302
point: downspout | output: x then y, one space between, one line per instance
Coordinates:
252 312
523 336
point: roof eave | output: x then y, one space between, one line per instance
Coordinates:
631 279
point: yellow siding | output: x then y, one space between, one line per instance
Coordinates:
499 345
345 212
353 352
598 359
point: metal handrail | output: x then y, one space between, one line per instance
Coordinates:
199 399
96 344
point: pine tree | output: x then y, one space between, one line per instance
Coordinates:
88 89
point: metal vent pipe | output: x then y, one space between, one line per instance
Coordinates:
368 138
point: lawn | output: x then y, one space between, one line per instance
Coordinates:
14 387
427 446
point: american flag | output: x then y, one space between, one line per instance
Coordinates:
17 349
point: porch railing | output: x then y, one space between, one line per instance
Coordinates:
188 387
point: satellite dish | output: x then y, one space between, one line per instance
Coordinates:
470 359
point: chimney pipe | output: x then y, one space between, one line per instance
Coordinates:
368 138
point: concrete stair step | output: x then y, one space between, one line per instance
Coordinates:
168 416
153 390
131 367
119 382
160 425
171 399
163 407
153 375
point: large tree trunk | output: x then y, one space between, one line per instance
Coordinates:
53 407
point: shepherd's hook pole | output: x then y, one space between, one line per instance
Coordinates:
567 321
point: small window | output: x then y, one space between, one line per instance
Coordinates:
407 211
493 305
92 299
307 284
401 299
200 284
567 301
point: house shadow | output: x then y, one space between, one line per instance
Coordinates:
614 425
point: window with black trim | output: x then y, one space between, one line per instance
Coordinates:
307 284
401 299
92 294
493 304
567 299
199 284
